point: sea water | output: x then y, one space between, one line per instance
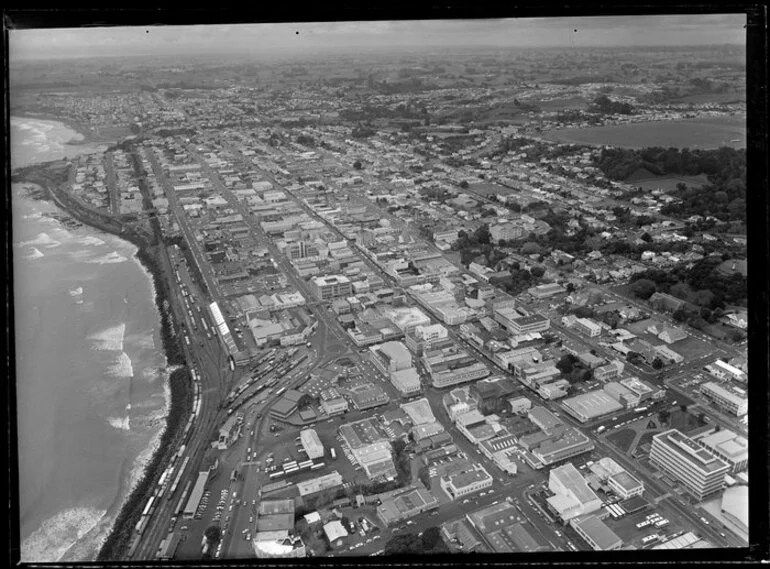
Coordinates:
91 380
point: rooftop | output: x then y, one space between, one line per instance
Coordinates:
592 404
685 447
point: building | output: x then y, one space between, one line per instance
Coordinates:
666 302
700 472
334 531
528 324
390 357
625 485
520 404
726 399
407 381
196 494
610 371
452 366
500 528
331 286
311 443
572 496
587 327
405 505
596 534
591 405
667 355
546 290
729 446
320 483
370 447
466 482
735 510
621 394
671 335
286 405
332 402
367 396
722 370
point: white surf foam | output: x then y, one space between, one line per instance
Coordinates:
122 367
113 257
56 535
122 424
110 339
77 291
90 240
42 239
35 254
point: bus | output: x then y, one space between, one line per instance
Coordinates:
650 538
318 465
280 391
276 474
640 409
291 469
661 523
643 524
148 506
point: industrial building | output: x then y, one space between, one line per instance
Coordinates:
591 405
311 443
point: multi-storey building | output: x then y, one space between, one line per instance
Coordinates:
700 471
587 327
730 447
466 482
452 366
331 286
726 399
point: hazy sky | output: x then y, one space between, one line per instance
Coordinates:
256 38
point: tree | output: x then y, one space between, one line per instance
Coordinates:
464 184
357 165
570 287
430 537
657 363
634 358
663 416
213 534
566 363
680 315
537 271
643 288
683 407
646 237
584 312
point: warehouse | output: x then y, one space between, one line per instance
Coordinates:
591 405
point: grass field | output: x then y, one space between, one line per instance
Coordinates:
682 421
712 132
623 439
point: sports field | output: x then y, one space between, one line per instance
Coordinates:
710 132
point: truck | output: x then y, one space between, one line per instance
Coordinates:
640 409
601 429
334 453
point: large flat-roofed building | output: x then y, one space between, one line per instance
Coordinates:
701 472
572 496
331 286
625 485
729 446
370 447
407 381
596 534
367 396
390 357
587 327
621 394
287 404
452 366
591 405
311 443
500 528
735 510
466 482
406 505
728 400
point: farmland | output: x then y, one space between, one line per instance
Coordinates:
711 132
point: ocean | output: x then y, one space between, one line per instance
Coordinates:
91 377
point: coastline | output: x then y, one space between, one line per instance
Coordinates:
117 541
88 134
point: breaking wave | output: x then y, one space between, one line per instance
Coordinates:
76 292
42 239
35 254
113 257
117 423
58 534
122 367
110 339
90 240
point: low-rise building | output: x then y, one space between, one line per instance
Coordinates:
311 443
332 402
572 496
729 446
596 534
625 485
466 482
587 327
591 405
405 505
